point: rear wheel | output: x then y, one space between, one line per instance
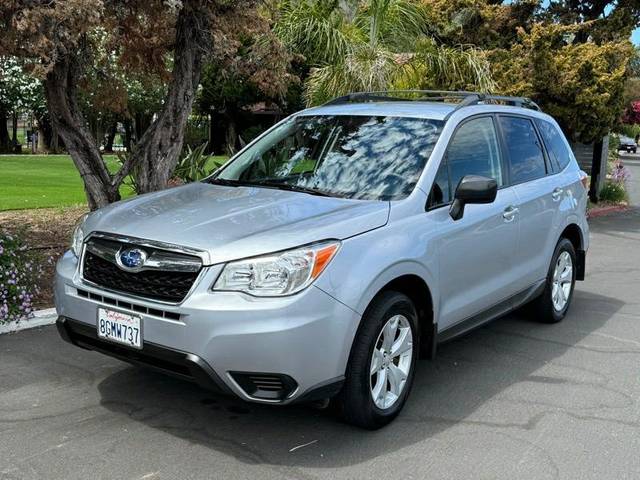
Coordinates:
382 362
553 304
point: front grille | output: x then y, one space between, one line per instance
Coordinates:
164 285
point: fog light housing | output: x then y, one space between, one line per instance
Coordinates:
265 386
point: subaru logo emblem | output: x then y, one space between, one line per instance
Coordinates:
131 259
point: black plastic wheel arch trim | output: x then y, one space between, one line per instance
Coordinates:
581 267
328 389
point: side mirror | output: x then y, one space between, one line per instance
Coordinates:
472 189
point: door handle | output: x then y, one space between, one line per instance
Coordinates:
510 213
557 194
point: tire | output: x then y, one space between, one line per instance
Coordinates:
356 403
546 310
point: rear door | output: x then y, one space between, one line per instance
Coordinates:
475 253
538 195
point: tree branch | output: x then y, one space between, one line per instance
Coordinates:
157 152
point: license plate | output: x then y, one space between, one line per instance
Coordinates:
120 327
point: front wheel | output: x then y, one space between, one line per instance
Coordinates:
552 305
382 362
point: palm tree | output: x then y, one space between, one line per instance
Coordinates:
374 45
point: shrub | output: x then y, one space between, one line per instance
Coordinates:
251 133
19 272
620 174
196 165
629 130
197 132
613 191
615 187
130 180
193 166
614 143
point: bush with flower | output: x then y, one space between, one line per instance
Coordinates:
19 273
614 189
620 173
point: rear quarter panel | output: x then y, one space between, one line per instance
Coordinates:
573 207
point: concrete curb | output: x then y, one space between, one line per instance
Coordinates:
40 318
603 211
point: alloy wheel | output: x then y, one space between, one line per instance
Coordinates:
562 281
391 362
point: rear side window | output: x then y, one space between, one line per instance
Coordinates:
473 150
526 160
556 146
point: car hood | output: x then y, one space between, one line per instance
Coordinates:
228 223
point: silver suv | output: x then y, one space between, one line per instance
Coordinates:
337 248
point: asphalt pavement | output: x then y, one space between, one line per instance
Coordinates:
513 400
632 161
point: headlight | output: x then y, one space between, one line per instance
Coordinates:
278 274
78 237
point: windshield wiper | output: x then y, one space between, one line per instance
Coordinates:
269 184
226 182
292 188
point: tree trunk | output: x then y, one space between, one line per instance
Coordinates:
42 140
14 129
128 132
44 128
141 124
211 136
157 152
60 88
55 145
231 136
4 133
100 132
111 136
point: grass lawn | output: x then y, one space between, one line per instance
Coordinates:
37 181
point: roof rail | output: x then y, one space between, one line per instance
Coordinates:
463 98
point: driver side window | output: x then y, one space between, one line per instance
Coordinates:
473 150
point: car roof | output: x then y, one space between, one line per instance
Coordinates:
414 109
431 110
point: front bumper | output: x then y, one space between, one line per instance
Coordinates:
166 360
211 336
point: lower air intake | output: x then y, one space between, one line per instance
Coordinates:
265 386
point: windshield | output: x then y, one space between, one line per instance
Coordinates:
362 157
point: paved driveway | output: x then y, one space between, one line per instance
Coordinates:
512 400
